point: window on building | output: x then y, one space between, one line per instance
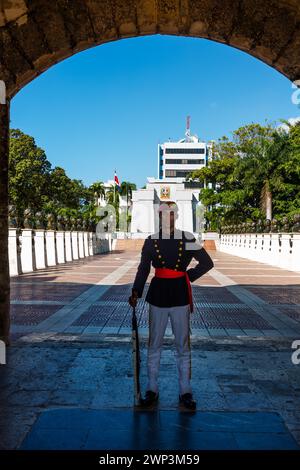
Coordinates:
193 184
176 173
183 161
185 150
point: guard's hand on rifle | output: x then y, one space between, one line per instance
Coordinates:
133 298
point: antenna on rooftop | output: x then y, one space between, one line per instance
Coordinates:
188 129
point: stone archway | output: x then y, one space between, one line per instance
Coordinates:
36 34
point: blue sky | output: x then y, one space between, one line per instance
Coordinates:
109 107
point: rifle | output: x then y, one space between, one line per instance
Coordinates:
136 359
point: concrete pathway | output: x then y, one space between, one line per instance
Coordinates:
69 370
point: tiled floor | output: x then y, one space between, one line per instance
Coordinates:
237 298
163 430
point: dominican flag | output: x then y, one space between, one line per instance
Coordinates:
117 183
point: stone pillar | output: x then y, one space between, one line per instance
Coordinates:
80 245
86 243
40 249
68 245
94 244
14 247
14 267
74 237
27 260
60 240
60 246
51 248
4 263
90 238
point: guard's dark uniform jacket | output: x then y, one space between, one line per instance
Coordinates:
173 253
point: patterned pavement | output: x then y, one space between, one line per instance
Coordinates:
237 298
69 368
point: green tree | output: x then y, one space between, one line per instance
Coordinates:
66 192
127 188
29 173
34 184
254 175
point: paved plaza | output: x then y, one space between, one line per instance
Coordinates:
69 371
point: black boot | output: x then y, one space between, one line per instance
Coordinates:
151 398
187 401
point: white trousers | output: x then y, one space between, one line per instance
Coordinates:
180 322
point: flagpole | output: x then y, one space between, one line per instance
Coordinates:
115 189
126 206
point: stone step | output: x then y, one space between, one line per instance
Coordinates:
209 245
137 245
130 245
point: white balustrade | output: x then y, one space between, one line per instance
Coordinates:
36 249
276 249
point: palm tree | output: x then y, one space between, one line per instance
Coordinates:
97 189
113 196
126 190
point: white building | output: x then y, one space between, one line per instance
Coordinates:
177 159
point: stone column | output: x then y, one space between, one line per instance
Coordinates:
14 249
80 245
4 263
40 249
51 248
68 246
27 260
68 242
13 252
60 246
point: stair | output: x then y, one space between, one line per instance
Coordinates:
137 245
209 245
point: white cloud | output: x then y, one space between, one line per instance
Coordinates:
292 121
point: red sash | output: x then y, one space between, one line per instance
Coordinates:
166 273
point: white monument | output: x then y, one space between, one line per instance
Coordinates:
145 203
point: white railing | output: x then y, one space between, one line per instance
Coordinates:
37 249
277 249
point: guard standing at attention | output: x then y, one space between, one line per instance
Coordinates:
170 252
